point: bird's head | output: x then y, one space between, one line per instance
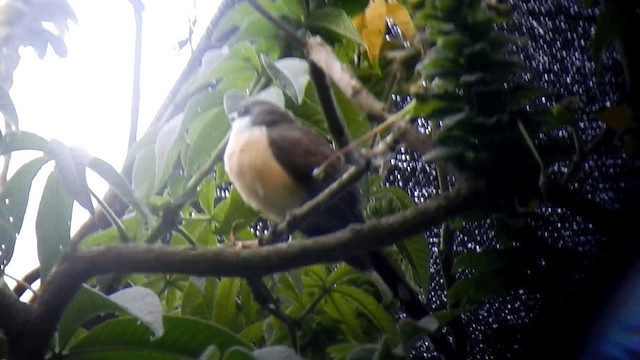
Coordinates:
256 112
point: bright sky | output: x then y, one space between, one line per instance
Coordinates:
85 99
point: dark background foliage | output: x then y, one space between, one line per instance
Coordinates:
568 268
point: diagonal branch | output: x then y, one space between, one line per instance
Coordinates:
296 216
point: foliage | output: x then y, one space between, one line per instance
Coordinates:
478 123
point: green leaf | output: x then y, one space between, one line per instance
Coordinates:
337 307
386 352
121 186
294 8
193 303
415 251
272 94
230 210
22 140
439 64
71 166
210 353
206 194
232 100
411 330
133 227
143 304
284 82
16 197
445 316
248 307
454 44
399 198
333 22
341 351
277 352
480 262
275 332
342 273
309 110
436 108
238 353
7 238
139 302
7 108
199 104
363 352
475 288
369 307
168 146
297 71
224 302
183 337
253 333
287 289
204 136
53 223
608 27
246 51
144 169
256 27
355 120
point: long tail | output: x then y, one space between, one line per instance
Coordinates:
409 299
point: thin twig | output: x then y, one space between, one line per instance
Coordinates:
296 216
113 219
311 307
29 278
536 155
584 153
390 121
22 283
185 235
262 295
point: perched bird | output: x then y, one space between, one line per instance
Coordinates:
270 159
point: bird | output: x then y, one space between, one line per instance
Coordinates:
270 159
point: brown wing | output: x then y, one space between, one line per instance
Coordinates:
299 151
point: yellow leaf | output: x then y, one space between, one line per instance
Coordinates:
401 17
372 24
358 22
616 117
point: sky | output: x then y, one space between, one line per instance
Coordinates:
84 99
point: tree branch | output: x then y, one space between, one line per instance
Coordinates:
74 268
320 54
296 216
14 315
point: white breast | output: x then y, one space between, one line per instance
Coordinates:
256 174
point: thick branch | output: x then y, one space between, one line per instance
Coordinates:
12 312
76 267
